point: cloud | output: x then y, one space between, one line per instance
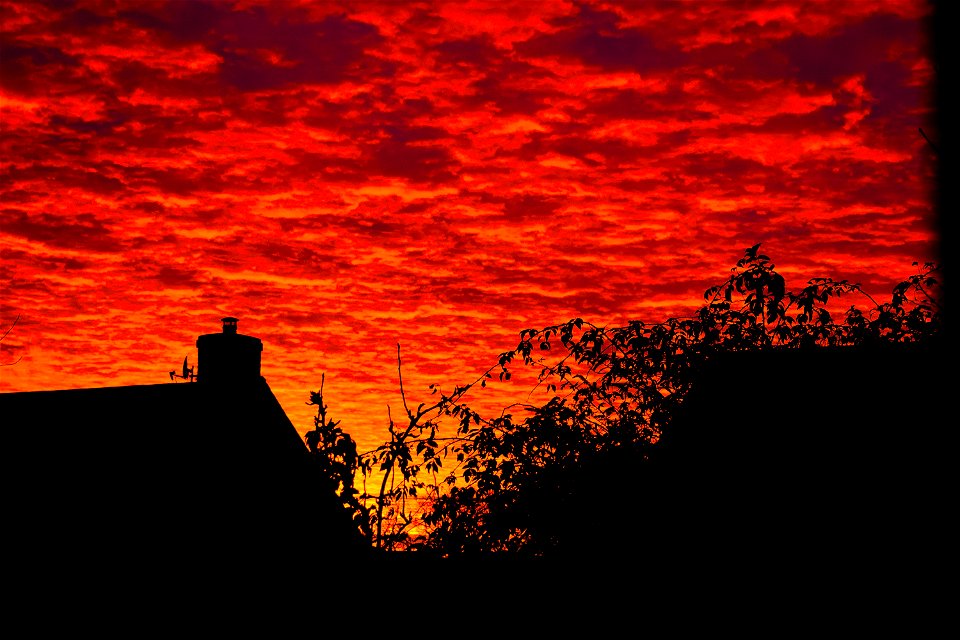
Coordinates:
596 37
177 278
267 52
27 67
78 232
865 46
417 163
347 176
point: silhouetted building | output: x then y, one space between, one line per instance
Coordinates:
206 469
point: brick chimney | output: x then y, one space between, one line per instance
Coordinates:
228 357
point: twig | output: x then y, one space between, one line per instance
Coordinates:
5 333
930 142
403 396
16 320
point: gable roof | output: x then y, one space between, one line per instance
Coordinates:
158 426
183 469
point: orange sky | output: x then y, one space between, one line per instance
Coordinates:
344 176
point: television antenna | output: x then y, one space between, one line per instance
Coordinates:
187 373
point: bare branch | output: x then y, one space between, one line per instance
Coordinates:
930 142
16 320
403 396
5 334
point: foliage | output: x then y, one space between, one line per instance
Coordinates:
334 459
516 484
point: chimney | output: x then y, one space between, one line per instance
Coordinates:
228 357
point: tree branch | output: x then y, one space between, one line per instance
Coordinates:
930 142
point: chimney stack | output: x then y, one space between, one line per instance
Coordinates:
228 357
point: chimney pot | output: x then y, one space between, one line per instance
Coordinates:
229 324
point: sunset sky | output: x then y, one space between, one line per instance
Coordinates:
347 176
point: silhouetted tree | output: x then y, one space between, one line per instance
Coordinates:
515 483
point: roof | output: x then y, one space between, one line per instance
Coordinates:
159 426
189 466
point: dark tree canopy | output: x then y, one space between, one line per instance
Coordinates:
536 479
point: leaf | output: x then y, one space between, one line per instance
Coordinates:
778 287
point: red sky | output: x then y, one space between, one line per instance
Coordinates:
344 176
